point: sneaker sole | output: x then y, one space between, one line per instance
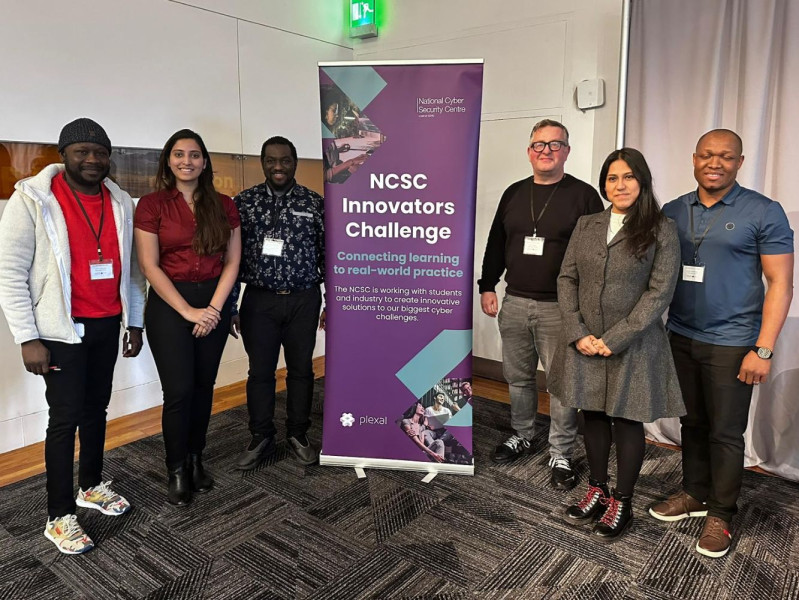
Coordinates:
63 550
563 486
680 517
710 553
503 461
84 504
508 459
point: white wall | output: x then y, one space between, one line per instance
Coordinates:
535 53
237 71
241 70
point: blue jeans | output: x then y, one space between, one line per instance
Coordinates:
530 329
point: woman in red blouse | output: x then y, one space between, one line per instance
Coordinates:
189 244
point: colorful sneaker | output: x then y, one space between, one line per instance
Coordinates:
103 498
716 538
68 536
678 506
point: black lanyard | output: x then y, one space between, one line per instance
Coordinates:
277 199
99 232
709 225
543 210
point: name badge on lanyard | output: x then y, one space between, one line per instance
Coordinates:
272 247
695 273
533 245
101 269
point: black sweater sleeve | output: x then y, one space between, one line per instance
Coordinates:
494 257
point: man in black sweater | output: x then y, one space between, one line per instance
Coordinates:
528 238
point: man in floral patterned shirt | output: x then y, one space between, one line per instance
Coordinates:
282 265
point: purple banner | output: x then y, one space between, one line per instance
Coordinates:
400 155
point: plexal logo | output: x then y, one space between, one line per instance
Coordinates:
347 419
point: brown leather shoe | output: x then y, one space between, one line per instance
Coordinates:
679 506
716 538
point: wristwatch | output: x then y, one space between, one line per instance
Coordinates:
762 352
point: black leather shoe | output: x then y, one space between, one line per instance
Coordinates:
303 450
260 447
179 492
201 481
618 516
591 506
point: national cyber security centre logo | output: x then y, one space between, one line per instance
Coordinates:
431 107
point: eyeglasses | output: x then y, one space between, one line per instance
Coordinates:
554 145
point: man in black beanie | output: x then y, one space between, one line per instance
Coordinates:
68 279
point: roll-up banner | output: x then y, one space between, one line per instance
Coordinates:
399 142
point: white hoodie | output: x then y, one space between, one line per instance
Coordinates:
35 263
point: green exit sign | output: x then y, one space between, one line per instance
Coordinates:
362 19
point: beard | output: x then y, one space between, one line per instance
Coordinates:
86 179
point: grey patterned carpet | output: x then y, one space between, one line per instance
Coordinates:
284 531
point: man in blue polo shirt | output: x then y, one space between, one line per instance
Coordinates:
723 328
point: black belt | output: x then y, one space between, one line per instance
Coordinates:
284 292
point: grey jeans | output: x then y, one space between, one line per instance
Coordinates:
530 330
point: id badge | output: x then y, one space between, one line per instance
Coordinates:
272 247
533 245
101 269
695 273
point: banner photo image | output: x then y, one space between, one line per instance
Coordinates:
399 143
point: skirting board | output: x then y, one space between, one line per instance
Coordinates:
400 465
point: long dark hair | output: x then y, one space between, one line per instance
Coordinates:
644 217
411 411
213 229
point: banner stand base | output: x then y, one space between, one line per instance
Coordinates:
400 465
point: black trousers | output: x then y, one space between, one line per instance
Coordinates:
187 367
717 407
269 320
78 397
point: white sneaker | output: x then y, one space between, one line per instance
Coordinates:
103 498
68 536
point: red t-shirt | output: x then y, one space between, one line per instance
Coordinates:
166 214
98 298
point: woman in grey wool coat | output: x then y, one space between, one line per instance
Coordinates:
614 362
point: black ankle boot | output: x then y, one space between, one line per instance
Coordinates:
618 516
201 481
592 504
179 486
